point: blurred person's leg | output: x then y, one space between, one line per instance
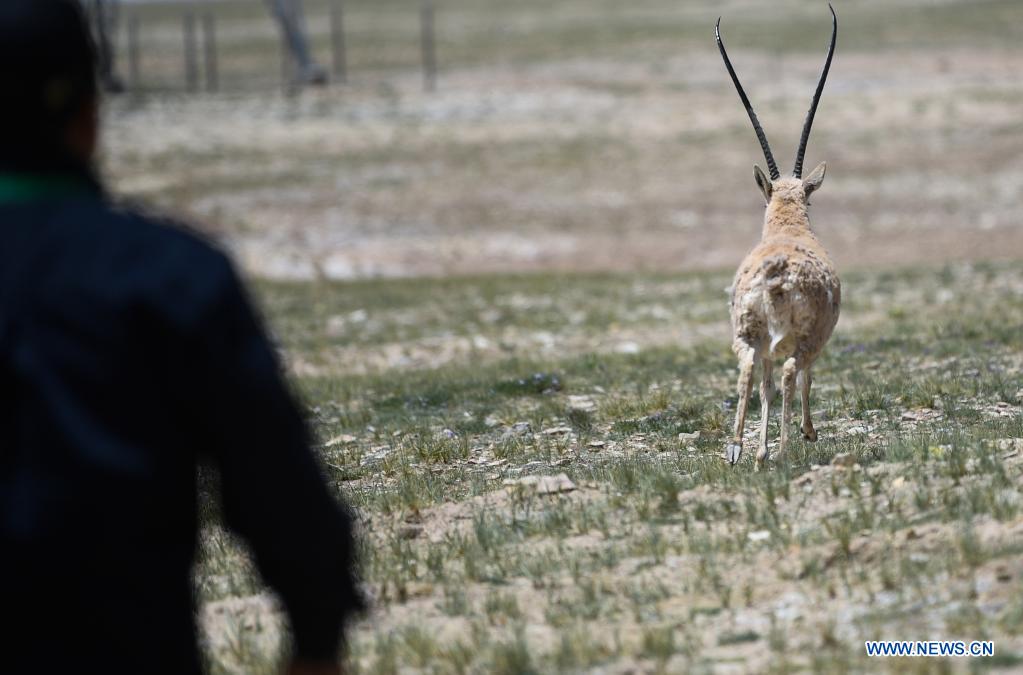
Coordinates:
104 16
293 30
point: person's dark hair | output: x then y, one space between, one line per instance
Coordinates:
47 74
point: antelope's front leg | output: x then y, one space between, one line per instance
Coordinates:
745 386
809 433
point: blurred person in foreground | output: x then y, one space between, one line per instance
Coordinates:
128 353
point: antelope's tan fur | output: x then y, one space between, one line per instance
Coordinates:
784 306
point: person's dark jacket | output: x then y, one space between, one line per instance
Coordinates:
128 353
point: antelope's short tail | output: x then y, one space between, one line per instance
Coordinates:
774 271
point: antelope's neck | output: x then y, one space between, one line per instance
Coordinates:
786 218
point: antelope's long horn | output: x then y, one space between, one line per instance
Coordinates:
771 166
798 171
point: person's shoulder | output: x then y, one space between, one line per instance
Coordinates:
139 253
132 228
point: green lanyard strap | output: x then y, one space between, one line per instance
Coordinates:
18 188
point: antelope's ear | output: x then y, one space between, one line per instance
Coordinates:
814 180
762 182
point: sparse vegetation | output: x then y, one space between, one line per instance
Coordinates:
903 520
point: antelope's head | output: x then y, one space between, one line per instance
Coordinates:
780 191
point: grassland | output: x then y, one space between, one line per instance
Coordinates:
433 400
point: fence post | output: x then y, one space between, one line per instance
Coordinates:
337 34
426 20
134 67
210 51
191 58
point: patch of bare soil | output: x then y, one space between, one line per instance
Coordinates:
587 165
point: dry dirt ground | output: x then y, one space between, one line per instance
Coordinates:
623 150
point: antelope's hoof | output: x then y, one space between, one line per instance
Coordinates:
810 435
733 451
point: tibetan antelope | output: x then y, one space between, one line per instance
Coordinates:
786 294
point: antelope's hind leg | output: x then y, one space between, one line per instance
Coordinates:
745 386
788 391
809 433
766 394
